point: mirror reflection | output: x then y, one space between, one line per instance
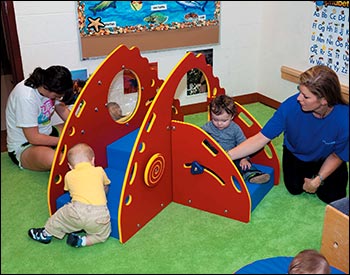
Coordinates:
123 95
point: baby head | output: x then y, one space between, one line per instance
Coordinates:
80 152
223 104
114 110
222 110
309 261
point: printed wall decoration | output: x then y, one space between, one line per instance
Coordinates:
79 78
196 83
134 21
330 35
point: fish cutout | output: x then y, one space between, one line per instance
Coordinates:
102 6
193 4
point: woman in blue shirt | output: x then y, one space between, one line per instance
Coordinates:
315 123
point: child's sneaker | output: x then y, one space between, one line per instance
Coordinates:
74 240
260 178
38 234
256 176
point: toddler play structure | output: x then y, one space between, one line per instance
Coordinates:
152 156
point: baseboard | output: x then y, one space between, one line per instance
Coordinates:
242 99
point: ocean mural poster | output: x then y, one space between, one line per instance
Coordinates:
97 18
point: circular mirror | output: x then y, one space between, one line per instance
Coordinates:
123 95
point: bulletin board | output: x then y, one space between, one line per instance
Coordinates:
148 25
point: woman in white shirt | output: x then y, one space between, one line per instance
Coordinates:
31 137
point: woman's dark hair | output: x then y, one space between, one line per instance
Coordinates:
56 79
223 103
323 82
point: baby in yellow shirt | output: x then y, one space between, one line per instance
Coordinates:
87 211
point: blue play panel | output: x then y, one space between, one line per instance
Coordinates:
258 191
113 197
118 152
62 200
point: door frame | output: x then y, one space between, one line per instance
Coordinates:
8 21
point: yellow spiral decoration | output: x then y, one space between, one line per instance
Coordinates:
154 170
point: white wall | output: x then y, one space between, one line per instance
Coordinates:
256 39
284 40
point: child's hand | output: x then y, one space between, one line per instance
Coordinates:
245 164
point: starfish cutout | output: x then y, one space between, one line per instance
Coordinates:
95 23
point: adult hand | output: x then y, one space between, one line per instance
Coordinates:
311 185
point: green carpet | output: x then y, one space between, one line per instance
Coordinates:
178 240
